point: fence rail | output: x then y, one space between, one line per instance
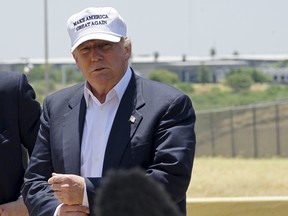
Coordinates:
249 131
238 206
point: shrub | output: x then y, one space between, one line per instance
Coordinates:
185 87
164 76
239 81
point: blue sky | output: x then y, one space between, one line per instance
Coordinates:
171 28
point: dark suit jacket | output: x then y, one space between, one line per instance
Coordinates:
161 141
19 124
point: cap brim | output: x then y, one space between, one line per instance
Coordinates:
96 36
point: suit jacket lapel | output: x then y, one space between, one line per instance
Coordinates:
124 126
72 133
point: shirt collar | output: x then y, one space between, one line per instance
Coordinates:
119 88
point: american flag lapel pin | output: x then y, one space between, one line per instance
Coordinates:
132 119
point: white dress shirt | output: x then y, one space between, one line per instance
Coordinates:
98 122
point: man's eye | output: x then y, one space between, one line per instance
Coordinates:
105 46
85 49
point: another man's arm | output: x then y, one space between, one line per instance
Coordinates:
29 114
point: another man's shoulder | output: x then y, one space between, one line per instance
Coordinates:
11 80
10 75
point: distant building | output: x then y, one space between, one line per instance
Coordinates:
187 68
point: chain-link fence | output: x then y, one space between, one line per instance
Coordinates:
250 131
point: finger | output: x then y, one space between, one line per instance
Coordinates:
60 187
74 208
57 178
56 187
51 180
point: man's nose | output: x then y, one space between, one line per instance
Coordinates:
96 54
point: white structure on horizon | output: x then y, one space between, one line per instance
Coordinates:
186 67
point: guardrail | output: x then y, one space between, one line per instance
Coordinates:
238 206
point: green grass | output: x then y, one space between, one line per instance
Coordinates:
212 96
225 177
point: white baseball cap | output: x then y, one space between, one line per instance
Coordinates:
102 23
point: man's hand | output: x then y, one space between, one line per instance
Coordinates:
16 208
71 210
69 189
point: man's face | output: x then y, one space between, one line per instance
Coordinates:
102 63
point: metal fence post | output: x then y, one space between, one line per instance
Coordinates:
233 153
212 134
255 132
277 127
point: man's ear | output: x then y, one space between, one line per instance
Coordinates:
75 57
128 49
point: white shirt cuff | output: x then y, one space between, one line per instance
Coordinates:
85 197
57 210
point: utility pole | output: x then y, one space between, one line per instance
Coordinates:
46 72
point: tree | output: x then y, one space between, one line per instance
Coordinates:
164 76
243 78
259 77
239 80
204 74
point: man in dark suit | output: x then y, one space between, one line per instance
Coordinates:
19 124
114 120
